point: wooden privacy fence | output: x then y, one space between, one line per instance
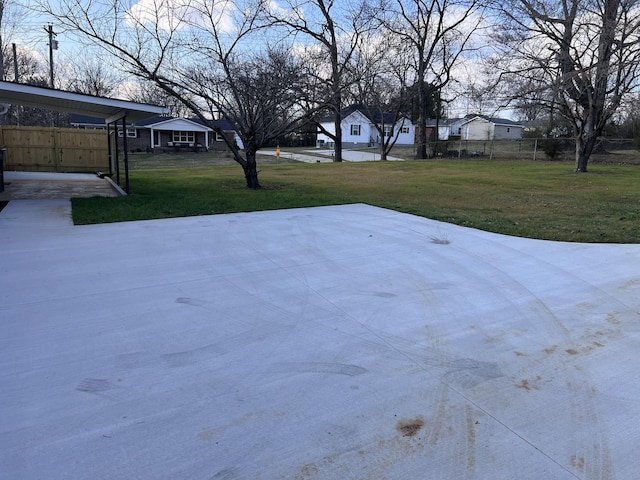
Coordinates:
45 149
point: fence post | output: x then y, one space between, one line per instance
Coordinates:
57 150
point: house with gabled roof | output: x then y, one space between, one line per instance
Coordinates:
165 134
359 128
448 128
481 127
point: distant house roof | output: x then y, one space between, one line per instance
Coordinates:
371 112
443 122
496 121
153 122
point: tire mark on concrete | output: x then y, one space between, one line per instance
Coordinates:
194 302
591 457
469 373
103 387
471 443
226 474
319 367
441 411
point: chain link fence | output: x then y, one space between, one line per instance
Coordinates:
607 150
561 149
611 151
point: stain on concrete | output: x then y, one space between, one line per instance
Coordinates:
410 428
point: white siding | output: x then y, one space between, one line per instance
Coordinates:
368 132
510 132
481 129
477 129
323 140
362 139
408 137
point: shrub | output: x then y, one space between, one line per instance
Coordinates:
551 147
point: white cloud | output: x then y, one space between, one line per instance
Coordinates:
288 12
171 15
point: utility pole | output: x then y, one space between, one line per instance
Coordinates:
16 75
53 45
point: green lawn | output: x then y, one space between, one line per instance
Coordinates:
543 200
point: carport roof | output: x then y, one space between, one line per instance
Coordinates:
109 109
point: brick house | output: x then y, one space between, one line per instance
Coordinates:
166 134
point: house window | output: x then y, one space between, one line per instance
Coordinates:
404 130
508 129
131 132
219 137
355 130
388 130
183 137
156 138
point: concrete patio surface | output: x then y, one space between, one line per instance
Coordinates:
344 342
46 185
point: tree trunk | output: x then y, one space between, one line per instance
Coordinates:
250 168
584 148
421 150
337 148
421 146
383 151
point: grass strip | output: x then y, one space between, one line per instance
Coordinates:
544 200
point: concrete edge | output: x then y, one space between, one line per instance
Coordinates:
116 187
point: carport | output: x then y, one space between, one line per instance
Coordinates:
111 110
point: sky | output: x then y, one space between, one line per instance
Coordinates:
31 33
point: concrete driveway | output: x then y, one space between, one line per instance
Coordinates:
327 156
345 342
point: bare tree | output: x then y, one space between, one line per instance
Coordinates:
335 31
438 33
380 81
33 116
579 57
146 91
260 97
10 14
28 67
91 76
4 52
196 51
627 118
3 4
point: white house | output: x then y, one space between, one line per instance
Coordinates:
487 128
359 129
